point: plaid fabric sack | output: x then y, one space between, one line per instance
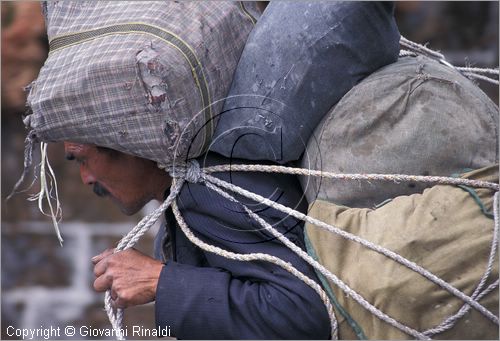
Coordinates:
144 78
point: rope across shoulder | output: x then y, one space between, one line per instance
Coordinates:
191 172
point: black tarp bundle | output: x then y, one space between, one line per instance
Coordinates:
299 60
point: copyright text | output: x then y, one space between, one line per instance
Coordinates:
47 333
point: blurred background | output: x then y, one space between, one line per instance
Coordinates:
43 284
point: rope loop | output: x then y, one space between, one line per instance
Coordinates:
190 171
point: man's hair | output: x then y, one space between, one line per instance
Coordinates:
111 152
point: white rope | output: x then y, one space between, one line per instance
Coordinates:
469 72
477 294
116 316
349 236
28 161
484 78
420 48
397 178
359 298
259 257
450 321
145 224
405 53
193 173
478 70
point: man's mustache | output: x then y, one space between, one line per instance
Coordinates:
99 190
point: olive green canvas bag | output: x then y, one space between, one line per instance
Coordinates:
447 230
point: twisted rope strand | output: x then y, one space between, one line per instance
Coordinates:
350 292
397 178
195 175
484 78
404 53
288 243
444 326
478 70
28 161
128 241
477 294
420 48
115 318
252 257
469 72
349 236
145 224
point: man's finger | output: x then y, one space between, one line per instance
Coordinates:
119 303
103 283
104 254
100 268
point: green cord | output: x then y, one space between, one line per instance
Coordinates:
474 195
478 201
352 323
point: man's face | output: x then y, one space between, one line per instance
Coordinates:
130 182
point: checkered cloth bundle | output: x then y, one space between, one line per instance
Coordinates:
145 78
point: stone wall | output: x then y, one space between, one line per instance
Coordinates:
46 285
42 283
24 48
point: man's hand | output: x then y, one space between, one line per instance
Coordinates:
131 276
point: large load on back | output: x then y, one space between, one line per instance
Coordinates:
300 59
142 78
416 259
446 230
416 117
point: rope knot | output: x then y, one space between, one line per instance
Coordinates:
190 171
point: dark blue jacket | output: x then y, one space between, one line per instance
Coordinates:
201 295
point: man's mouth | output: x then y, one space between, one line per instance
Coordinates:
99 190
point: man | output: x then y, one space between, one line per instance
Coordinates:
199 294
116 91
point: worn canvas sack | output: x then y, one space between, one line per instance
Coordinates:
447 230
144 78
415 117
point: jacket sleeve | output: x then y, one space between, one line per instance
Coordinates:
240 300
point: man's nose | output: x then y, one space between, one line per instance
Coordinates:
87 177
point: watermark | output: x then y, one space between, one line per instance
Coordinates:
34 333
50 332
254 129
